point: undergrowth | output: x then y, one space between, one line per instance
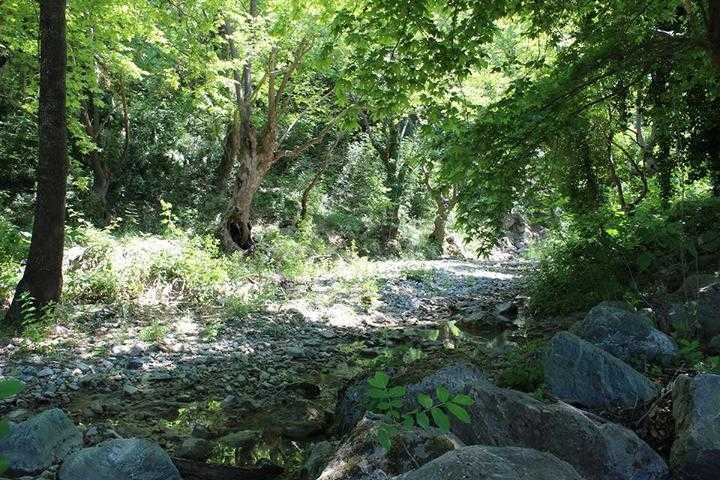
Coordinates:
614 256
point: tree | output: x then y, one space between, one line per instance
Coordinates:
256 150
42 280
387 136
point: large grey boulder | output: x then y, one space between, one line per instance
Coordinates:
494 463
360 457
701 315
696 408
597 449
35 444
580 373
500 417
456 376
132 458
625 334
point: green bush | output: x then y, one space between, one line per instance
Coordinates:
524 368
614 256
13 248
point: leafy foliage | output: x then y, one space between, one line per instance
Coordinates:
8 388
391 402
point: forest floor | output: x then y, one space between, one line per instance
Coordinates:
166 372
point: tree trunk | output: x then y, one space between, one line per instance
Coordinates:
237 231
441 216
42 280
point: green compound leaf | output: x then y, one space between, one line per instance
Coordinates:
459 412
380 380
10 387
463 400
440 419
442 393
425 400
422 420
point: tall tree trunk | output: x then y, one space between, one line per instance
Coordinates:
445 201
95 160
42 280
237 230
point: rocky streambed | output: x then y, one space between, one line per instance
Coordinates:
282 393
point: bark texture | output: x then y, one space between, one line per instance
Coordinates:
42 279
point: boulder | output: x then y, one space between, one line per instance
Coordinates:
494 463
360 457
628 335
597 449
580 373
132 458
701 315
319 454
696 407
37 443
456 376
198 449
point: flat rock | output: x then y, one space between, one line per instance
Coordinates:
696 407
580 373
35 444
494 463
132 458
626 334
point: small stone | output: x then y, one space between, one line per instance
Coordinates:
245 439
45 372
197 449
296 352
130 390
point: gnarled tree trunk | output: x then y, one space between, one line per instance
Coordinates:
42 280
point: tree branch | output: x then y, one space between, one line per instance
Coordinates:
317 139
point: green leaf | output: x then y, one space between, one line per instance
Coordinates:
380 380
4 429
377 393
459 412
10 387
4 464
442 393
383 437
422 420
464 400
396 392
425 400
408 421
440 419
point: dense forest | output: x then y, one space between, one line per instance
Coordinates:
388 239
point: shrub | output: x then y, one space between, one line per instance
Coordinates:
614 256
13 248
524 368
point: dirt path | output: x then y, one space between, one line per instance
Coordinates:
276 370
